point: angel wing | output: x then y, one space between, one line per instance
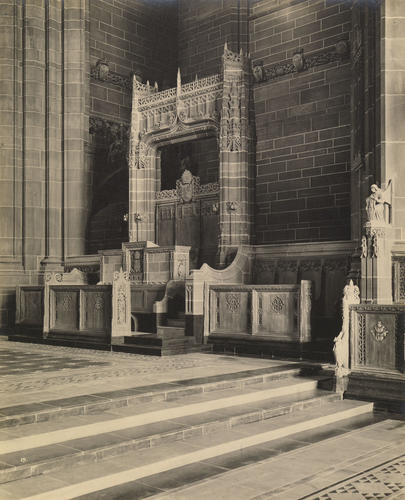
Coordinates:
386 195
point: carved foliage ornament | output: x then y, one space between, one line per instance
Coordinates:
299 62
99 302
231 134
67 303
277 304
379 331
232 301
121 306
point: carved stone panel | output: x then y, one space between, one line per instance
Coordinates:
209 230
188 229
136 265
231 311
379 341
166 220
96 307
277 315
32 307
66 309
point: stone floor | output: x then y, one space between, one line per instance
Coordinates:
361 464
41 372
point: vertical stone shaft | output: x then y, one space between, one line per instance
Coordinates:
11 134
76 125
34 137
53 134
393 108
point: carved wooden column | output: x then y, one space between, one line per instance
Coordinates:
235 175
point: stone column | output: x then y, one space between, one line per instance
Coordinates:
53 161
34 123
76 125
392 107
11 26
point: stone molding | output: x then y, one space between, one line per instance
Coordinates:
339 53
102 73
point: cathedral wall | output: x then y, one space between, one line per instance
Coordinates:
130 37
204 27
44 127
302 120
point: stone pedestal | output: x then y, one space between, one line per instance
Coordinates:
376 264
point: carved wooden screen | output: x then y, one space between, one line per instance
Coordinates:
188 215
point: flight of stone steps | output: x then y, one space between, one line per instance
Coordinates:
96 443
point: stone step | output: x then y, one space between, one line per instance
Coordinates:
38 448
153 339
170 332
144 463
179 323
173 349
285 469
104 401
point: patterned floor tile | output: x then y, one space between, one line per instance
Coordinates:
381 482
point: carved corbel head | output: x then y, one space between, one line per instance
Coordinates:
298 60
232 206
342 47
259 73
103 69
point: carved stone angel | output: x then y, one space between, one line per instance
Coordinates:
351 295
377 202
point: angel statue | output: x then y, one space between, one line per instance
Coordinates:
377 202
